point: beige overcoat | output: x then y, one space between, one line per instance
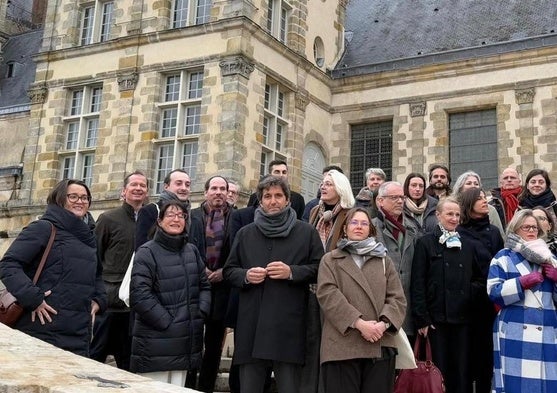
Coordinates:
345 293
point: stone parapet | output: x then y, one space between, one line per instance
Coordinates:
31 365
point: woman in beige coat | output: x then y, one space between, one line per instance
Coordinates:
363 305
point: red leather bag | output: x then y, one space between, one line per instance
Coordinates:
426 378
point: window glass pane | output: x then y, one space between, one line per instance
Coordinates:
203 11
88 161
180 13
189 158
195 86
87 25
280 104
169 118
166 156
106 24
96 96
267 96
71 137
266 122
263 165
92 132
192 120
77 99
172 88
278 137
283 24
68 167
473 145
270 16
371 146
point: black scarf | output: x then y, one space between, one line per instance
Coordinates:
275 225
545 199
170 242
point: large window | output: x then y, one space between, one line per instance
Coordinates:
77 155
371 146
275 126
278 15
190 12
180 124
473 145
97 20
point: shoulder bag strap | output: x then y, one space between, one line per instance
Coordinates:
45 254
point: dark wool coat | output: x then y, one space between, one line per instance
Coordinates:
442 281
272 315
71 272
170 295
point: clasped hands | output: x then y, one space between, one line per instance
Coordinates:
371 331
276 270
530 280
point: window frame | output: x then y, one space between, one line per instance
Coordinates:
95 22
279 13
191 12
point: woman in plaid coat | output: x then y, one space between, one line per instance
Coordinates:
521 282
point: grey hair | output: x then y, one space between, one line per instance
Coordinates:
518 219
382 191
342 187
375 171
459 183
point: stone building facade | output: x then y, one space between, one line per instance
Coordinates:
226 86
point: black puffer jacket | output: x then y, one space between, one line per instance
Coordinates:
170 295
71 272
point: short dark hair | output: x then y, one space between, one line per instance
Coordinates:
467 200
167 177
59 193
331 167
276 162
439 166
208 182
168 205
136 172
270 181
352 212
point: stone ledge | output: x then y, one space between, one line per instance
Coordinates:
33 366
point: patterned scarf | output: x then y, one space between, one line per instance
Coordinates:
451 239
510 201
417 210
326 221
534 251
214 234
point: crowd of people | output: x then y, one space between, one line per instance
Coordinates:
315 292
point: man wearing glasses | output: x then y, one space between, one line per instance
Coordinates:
399 234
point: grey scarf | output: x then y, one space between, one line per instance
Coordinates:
275 225
367 247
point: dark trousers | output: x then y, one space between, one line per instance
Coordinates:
311 380
450 349
253 376
481 357
360 375
111 336
214 337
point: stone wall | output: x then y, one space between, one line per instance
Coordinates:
33 366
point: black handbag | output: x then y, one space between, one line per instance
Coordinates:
10 310
426 378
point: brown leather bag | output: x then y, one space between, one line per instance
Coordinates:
10 310
426 378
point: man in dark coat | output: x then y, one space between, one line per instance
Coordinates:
272 261
213 243
279 168
115 233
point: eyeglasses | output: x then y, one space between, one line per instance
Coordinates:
395 198
529 228
74 198
172 216
358 223
326 184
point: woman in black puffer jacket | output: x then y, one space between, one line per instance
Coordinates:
170 295
60 308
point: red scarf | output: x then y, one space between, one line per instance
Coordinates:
510 202
397 222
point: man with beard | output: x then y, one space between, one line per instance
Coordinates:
214 215
439 181
272 262
505 198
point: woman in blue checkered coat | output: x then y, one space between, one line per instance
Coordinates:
521 282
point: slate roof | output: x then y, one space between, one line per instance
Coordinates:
397 34
19 49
